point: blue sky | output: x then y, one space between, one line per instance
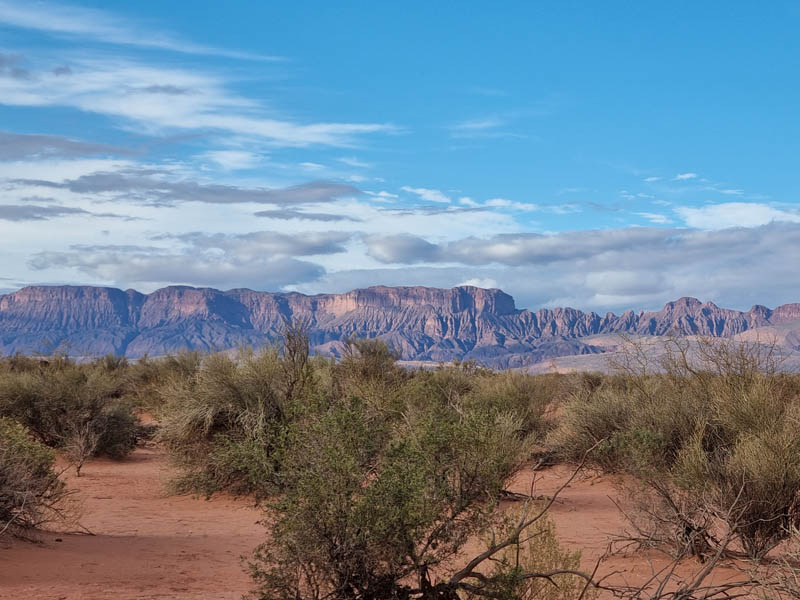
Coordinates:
600 155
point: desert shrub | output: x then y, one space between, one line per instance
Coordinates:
145 378
715 436
225 424
374 476
381 503
31 493
527 396
540 552
68 405
368 370
531 398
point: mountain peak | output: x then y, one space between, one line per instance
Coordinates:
688 302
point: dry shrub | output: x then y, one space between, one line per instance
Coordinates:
374 475
380 496
715 436
226 424
65 404
31 493
144 379
538 552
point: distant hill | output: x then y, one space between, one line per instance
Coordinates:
422 324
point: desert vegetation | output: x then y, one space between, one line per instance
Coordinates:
380 482
712 441
81 409
31 493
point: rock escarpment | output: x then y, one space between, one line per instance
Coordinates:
422 324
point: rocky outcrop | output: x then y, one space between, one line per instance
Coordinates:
422 324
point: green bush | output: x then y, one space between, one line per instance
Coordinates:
716 435
373 475
225 425
374 499
388 475
76 407
31 493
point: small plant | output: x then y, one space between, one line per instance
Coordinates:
81 443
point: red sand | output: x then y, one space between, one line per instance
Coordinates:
152 546
147 545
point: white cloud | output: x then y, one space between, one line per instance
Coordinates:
382 196
734 214
486 283
352 161
655 218
85 23
652 179
685 176
232 160
504 203
135 93
428 195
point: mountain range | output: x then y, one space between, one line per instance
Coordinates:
421 324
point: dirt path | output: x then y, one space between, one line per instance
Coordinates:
147 545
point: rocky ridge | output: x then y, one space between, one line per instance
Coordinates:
422 324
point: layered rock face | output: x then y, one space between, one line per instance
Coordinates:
422 324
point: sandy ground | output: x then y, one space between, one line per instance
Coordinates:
147 545
152 546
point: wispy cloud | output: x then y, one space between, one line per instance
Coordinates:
685 176
478 124
505 203
656 218
17 146
383 196
352 161
232 160
734 214
492 126
101 26
160 188
36 212
427 194
134 93
288 214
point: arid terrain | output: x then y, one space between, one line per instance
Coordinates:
145 544
148 545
